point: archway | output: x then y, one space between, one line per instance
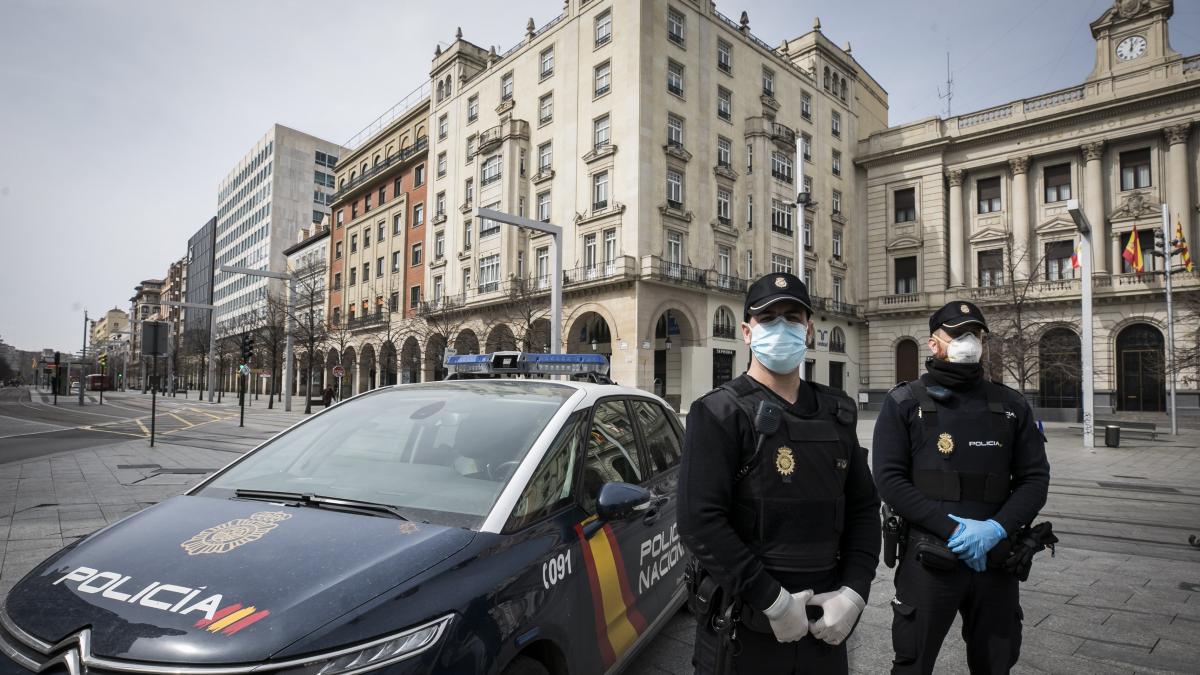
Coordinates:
466 342
367 372
501 339
410 361
350 381
1140 369
1059 368
674 340
590 334
537 340
435 357
906 360
388 366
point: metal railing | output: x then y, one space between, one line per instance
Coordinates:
836 306
377 319
725 332
404 154
414 98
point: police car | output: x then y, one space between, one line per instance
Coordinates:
482 524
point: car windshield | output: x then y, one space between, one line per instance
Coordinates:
438 452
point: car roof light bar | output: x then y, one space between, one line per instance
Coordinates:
523 363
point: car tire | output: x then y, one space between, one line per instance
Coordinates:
523 665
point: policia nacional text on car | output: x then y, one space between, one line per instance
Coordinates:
961 460
776 504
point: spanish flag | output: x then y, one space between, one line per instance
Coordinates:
1133 252
1186 255
1075 257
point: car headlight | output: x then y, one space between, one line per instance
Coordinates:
375 654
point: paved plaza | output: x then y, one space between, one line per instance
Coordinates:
1122 595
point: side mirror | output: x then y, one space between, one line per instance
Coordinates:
618 501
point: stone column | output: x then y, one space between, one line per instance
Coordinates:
1023 245
1177 197
957 235
1093 205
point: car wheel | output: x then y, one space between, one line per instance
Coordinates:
523 665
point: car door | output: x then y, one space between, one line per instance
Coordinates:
611 550
662 557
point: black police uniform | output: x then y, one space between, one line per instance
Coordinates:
972 449
802 515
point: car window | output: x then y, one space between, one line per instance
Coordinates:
612 454
441 452
662 443
550 486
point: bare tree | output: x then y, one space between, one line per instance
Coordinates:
271 332
527 305
439 321
310 329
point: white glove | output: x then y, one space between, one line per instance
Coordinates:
841 608
788 619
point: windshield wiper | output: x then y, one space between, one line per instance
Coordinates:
318 501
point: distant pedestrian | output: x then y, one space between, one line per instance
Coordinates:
327 397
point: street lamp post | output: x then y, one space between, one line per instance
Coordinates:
555 232
288 373
212 339
1085 284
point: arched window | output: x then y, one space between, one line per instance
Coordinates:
724 325
842 94
906 360
441 92
826 80
449 85
837 340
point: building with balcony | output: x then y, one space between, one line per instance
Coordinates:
144 306
975 207
378 249
664 138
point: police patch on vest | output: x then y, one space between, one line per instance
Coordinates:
945 444
785 463
985 444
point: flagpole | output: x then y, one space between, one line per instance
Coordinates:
1167 255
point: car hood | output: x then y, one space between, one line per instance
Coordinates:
200 580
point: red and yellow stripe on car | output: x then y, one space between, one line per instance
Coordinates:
618 622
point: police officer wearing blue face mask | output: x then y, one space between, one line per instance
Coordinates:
960 459
777 504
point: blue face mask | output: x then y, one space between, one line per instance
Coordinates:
779 345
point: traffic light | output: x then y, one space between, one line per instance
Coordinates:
247 347
103 360
1160 245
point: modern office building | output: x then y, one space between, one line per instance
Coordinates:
200 258
975 207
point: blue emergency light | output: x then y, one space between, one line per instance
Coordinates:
522 363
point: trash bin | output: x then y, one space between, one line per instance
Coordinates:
1112 435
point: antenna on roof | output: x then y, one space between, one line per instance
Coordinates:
949 95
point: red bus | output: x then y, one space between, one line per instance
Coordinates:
97 382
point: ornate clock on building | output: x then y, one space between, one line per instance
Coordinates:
1131 47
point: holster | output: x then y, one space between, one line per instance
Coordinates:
895 535
710 605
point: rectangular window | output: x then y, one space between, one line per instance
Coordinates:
439 245
724 56
366 272
808 234
543 267
836 164
724 254
781 166
394 301
419 175
675 26
1135 169
674 250
989 194
467 233
439 288
543 206
506 87
836 202
723 200
781 263
473 108
353 275
600 132
441 164
835 123
395 261
602 78
418 215
838 283
905 270
415 256
749 264
837 244
366 237
379 267
546 108
466 278
749 158
337 281
749 212
545 157
600 191
610 247
724 104
806 105
382 195
991 268
674 131
1058 183
589 253
768 82
443 126
489 273
341 217
603 27
675 78
396 188
547 62
674 189
379 236
354 242
414 297
367 203
905 205
806 147
440 204
469 190
491 170
781 217
337 251
724 152
1058 260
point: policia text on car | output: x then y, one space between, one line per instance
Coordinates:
777 505
959 459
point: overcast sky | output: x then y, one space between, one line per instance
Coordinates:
118 118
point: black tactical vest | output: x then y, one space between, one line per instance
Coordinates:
962 447
789 503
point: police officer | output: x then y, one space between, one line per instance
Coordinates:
961 459
790 532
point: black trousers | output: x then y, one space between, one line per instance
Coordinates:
759 653
926 603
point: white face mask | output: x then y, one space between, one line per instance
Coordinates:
966 348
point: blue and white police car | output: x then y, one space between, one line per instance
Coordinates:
501 521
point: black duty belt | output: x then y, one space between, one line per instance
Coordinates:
958 486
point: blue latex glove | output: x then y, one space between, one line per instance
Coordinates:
973 539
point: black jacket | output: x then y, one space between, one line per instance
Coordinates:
718 440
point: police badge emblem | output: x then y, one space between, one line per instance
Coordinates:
231 534
945 444
780 282
964 309
785 463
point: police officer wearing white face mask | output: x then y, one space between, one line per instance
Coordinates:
961 460
777 504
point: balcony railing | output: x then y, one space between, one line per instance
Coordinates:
379 168
902 299
725 332
836 306
782 175
370 320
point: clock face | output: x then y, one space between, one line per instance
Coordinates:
1131 48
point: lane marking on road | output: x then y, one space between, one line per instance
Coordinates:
189 424
202 412
143 426
114 431
45 406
